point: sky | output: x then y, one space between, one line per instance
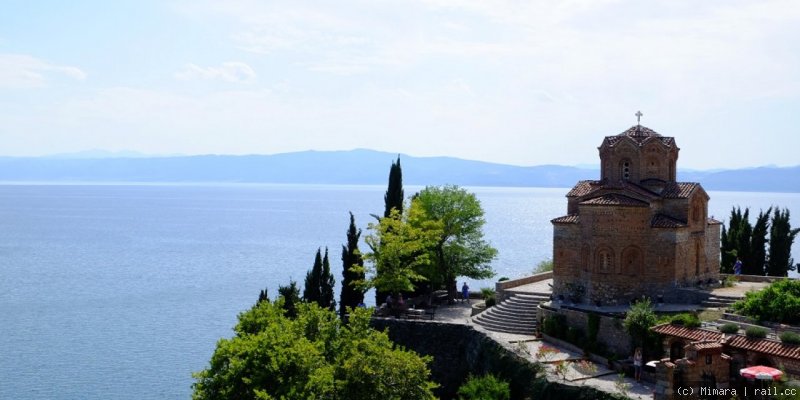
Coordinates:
521 82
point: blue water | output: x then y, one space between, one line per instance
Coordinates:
121 292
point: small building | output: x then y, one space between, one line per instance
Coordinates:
636 231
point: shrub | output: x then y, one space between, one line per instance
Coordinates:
555 326
729 328
503 278
487 387
778 302
729 281
686 319
639 320
789 337
756 332
543 266
490 302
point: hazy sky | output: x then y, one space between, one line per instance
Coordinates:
521 82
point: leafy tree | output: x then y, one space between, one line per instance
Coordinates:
486 387
393 199
638 321
758 242
351 296
543 266
458 248
778 302
290 296
399 251
312 292
781 238
311 357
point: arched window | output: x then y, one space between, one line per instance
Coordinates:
626 170
631 260
604 260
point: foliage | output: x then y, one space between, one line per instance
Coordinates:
585 367
545 353
729 328
561 369
622 387
458 248
489 296
311 357
319 282
688 320
503 279
263 296
291 298
487 387
756 332
352 270
638 321
393 199
543 266
399 251
789 337
781 238
555 325
778 302
759 254
730 281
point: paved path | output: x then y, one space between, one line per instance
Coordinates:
739 289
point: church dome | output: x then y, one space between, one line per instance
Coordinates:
638 131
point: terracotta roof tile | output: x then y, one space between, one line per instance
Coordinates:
683 332
765 346
679 190
613 199
566 219
704 345
665 221
640 135
583 188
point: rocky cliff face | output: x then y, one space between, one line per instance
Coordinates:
460 350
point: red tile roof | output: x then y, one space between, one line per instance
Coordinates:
765 346
584 187
683 332
665 221
566 219
640 134
613 199
679 190
706 345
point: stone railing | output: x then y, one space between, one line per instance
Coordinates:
754 278
501 287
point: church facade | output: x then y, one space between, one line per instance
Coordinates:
636 231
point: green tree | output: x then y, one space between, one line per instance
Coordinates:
311 357
778 302
543 266
758 242
781 238
459 248
393 199
352 262
326 284
638 321
290 296
263 296
312 291
487 387
399 251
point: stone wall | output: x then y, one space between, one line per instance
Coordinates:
611 332
460 350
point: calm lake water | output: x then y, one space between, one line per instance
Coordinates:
121 292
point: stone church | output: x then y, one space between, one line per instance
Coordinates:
636 231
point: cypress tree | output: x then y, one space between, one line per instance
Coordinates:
743 244
312 292
351 296
758 242
326 283
291 297
393 199
781 238
263 296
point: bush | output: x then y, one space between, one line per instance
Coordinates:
490 302
685 319
778 302
729 328
789 337
543 266
756 332
639 320
729 281
484 388
503 279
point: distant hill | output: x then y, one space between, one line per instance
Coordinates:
351 167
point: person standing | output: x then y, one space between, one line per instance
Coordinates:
737 267
637 364
465 292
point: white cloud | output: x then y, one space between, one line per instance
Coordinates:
25 71
232 71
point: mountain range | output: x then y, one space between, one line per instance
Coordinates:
351 167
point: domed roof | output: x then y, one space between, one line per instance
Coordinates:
640 134
640 131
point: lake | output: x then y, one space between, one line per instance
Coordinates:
121 291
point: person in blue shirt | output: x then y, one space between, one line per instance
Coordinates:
465 292
737 267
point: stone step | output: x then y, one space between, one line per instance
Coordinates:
714 304
517 314
496 327
506 319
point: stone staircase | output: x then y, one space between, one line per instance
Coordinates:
715 301
516 314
